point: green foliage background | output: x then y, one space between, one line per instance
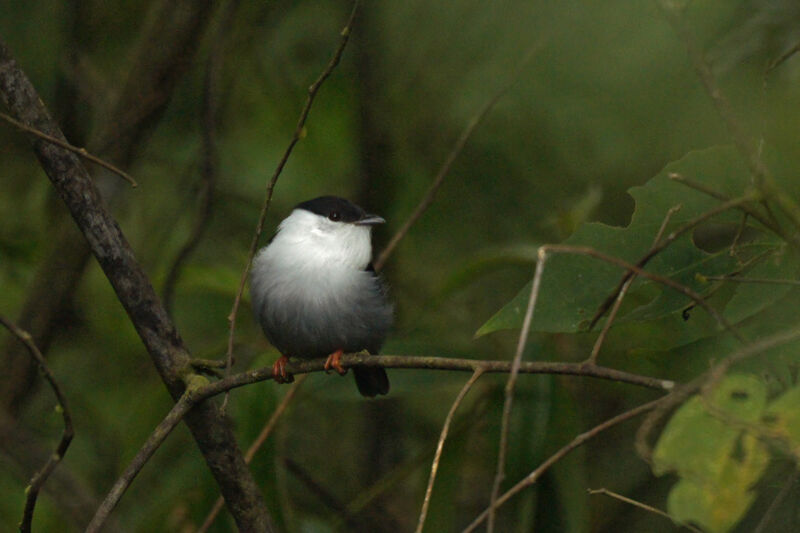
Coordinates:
608 101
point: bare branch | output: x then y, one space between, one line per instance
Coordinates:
768 220
511 383
578 441
202 391
40 477
682 392
67 146
165 52
210 429
634 269
742 279
304 366
440 446
624 290
782 58
658 248
155 440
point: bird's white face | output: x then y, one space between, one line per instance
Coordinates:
316 240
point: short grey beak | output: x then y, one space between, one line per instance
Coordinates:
370 220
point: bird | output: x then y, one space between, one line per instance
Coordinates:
316 294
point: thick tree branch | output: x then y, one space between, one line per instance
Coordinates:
166 49
134 291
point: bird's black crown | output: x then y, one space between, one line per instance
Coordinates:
334 208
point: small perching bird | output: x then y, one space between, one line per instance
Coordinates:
315 293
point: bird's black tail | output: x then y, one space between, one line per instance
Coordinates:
371 381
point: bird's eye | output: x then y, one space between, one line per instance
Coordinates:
334 216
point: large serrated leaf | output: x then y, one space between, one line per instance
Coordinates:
573 286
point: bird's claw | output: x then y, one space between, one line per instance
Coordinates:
334 361
279 372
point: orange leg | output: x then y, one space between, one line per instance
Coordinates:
279 373
334 361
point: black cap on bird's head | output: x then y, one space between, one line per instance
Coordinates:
340 210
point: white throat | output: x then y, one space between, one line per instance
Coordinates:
307 240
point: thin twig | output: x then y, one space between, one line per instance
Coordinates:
40 477
511 383
440 446
156 438
682 392
635 269
201 391
592 360
254 447
768 221
578 441
209 151
430 194
782 58
298 133
665 242
742 279
641 505
303 366
81 152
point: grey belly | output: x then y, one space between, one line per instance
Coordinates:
312 329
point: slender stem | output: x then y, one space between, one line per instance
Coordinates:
578 441
657 249
81 152
635 269
40 477
624 290
742 279
511 383
640 505
440 446
159 435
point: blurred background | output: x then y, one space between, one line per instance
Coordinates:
608 99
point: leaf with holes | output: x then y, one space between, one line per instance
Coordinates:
574 286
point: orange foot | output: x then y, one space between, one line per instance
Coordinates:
334 361
279 372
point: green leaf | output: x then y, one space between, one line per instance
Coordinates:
717 458
718 506
573 286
